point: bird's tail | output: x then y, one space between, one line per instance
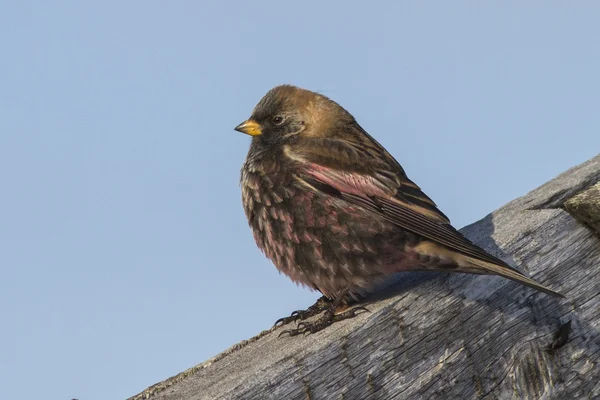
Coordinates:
484 267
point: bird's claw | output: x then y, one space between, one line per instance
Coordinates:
293 332
351 313
305 327
294 316
322 304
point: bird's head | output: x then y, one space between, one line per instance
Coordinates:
287 112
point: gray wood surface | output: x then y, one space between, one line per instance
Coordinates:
446 336
585 206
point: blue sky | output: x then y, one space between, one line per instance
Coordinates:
125 255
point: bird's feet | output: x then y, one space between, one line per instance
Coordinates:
328 318
321 305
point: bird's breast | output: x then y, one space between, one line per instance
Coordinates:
316 239
269 200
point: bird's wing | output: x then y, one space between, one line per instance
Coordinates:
361 172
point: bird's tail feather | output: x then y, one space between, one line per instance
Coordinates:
485 267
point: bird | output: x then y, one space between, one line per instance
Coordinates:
335 212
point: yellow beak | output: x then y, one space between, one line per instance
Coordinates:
249 127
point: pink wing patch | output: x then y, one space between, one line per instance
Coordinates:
349 182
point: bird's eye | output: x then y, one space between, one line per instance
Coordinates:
278 120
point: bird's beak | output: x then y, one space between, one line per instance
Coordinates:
249 127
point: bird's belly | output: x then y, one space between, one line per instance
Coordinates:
322 241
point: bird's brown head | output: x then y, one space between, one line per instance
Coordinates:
287 111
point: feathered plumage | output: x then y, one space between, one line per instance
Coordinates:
334 210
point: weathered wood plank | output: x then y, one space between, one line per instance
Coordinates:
441 335
585 207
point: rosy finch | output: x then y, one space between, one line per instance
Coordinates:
334 211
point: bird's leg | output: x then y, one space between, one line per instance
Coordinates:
336 310
321 305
